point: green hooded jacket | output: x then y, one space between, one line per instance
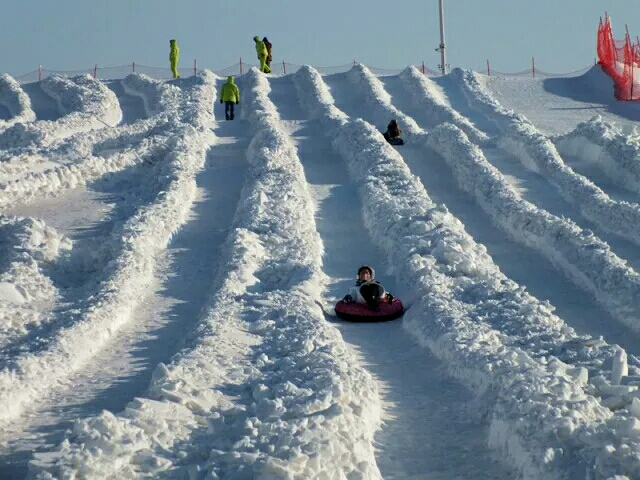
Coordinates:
261 48
229 91
174 53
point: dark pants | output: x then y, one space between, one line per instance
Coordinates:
393 140
372 293
228 110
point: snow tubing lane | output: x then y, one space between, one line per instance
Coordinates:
357 312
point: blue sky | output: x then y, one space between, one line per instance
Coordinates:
74 34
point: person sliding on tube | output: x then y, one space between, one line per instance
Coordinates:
367 290
392 135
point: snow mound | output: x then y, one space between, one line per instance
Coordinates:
606 145
15 100
155 95
85 103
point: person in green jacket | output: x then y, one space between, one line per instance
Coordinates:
262 52
230 96
174 56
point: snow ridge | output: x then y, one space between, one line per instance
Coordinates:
77 161
373 93
536 151
15 100
605 145
302 408
85 103
156 97
542 415
424 93
29 246
145 233
586 259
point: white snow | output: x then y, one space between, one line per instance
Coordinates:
167 278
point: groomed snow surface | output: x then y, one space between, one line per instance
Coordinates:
167 278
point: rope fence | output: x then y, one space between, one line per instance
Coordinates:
164 73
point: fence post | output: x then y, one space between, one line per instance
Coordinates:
40 73
95 71
195 67
133 67
240 65
423 67
284 67
631 92
488 68
533 67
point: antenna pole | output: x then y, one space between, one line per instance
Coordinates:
443 56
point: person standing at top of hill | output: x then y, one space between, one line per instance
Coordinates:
268 44
261 50
174 56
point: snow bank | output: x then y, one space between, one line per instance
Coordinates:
423 92
536 151
74 161
28 248
583 257
85 103
156 96
268 390
142 236
15 100
373 94
426 94
605 145
58 180
496 338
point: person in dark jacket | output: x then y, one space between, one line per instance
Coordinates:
230 96
392 135
367 290
268 44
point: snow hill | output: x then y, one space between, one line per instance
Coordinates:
167 278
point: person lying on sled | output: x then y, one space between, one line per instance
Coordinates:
367 290
392 135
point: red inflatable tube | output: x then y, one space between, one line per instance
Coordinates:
358 312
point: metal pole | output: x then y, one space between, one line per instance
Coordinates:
443 57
